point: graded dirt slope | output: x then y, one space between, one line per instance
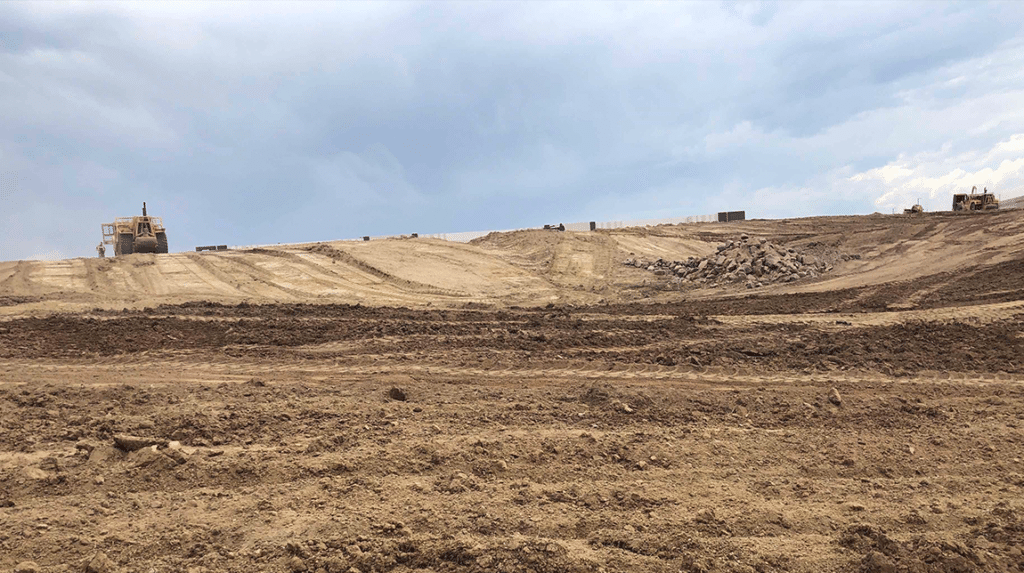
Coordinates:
521 268
525 403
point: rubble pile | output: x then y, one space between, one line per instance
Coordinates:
754 261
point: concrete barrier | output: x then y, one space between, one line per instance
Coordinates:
586 226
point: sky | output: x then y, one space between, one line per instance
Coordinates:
263 123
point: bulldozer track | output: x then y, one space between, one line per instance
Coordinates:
213 278
315 254
260 283
144 271
308 265
982 313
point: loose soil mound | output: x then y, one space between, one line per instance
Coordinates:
745 260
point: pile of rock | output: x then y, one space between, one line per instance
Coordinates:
753 261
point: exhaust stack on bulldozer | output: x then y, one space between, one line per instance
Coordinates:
129 235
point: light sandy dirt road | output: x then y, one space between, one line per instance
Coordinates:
524 403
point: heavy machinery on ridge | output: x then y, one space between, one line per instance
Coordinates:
975 201
129 235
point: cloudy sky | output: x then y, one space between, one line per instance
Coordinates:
264 123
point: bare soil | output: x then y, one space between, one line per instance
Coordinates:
870 421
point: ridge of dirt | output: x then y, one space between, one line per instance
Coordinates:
16 300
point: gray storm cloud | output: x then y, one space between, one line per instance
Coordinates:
275 122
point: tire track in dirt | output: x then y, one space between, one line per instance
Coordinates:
229 369
523 279
333 281
981 313
209 275
263 284
146 272
586 261
76 279
130 285
354 262
94 270
375 282
271 277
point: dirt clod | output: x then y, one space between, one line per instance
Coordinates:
134 443
296 564
100 563
876 562
396 393
834 397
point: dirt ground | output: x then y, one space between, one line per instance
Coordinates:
531 404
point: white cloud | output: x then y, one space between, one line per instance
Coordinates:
935 177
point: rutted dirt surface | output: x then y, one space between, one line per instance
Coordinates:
550 439
863 427
513 338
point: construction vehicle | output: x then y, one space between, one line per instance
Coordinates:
129 235
975 201
917 209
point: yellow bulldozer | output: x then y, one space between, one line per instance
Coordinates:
975 201
129 235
